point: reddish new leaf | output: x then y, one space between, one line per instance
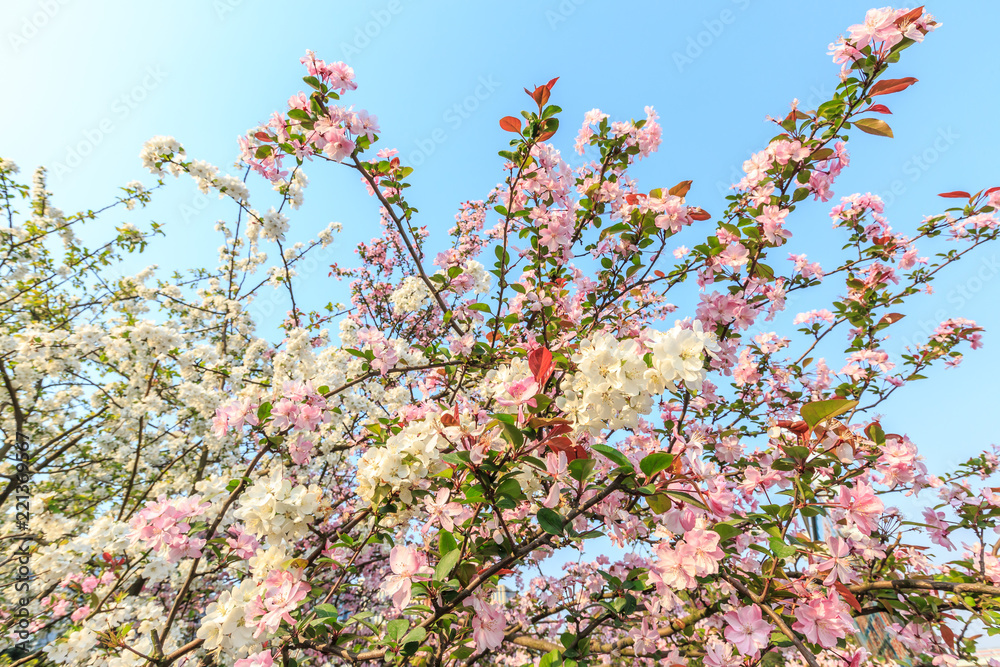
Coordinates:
680 189
879 108
540 363
910 16
511 124
540 94
948 636
699 213
891 318
955 194
551 83
545 136
567 446
560 429
891 86
263 136
848 596
991 191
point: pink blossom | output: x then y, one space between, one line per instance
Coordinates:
706 553
488 625
838 563
163 526
262 659
719 654
823 620
407 564
746 630
735 254
773 218
440 511
860 506
645 637
674 568
243 544
521 392
337 146
283 591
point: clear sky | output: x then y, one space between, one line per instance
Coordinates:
85 84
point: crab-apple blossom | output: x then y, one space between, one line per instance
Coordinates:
431 469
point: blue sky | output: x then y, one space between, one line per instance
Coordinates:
83 89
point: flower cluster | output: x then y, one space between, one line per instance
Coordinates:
163 526
276 509
614 385
407 457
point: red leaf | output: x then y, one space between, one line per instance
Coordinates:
891 86
948 636
511 124
564 444
545 136
659 274
879 108
540 95
633 198
560 429
699 213
680 189
540 363
848 596
910 16
551 83
991 191
955 194
263 136
891 318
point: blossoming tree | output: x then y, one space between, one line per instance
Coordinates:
202 495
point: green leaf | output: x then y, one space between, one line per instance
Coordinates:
659 503
395 629
446 542
324 610
874 126
780 549
613 454
417 634
580 469
513 434
685 497
656 462
550 521
818 411
726 531
447 564
299 114
550 659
